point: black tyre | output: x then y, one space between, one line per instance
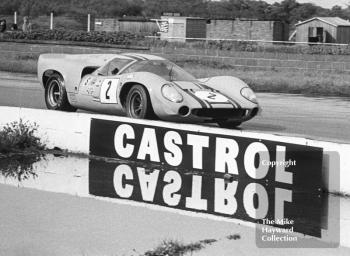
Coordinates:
56 95
138 103
229 124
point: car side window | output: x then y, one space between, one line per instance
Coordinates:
113 67
116 65
155 67
135 67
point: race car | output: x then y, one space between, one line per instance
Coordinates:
143 86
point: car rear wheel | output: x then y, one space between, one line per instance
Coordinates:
138 103
56 95
229 124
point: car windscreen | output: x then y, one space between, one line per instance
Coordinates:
166 69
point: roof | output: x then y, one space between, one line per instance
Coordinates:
334 21
183 17
241 19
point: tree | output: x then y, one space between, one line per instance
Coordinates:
337 11
9 6
282 11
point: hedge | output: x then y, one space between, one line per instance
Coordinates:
127 38
118 38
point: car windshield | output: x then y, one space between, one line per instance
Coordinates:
164 68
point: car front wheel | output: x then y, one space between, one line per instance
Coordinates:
56 94
138 103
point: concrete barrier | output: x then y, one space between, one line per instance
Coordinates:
71 132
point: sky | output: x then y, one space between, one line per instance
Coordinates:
323 3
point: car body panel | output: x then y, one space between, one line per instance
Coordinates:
101 91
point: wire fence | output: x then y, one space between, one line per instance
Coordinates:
89 23
183 39
45 22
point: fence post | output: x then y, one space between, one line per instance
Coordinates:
88 22
15 18
51 21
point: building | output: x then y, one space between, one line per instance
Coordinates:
126 24
267 30
179 28
323 30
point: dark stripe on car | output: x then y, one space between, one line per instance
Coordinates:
189 92
135 57
231 101
202 102
139 57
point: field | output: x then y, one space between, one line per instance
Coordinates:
310 83
307 82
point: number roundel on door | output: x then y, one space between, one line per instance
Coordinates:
108 92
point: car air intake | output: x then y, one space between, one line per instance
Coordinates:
184 111
218 113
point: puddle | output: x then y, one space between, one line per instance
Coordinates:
220 196
19 166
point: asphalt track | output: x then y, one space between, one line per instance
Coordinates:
310 117
60 224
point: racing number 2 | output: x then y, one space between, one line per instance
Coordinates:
109 91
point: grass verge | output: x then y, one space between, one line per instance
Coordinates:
306 82
311 83
175 248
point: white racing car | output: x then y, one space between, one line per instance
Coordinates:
143 86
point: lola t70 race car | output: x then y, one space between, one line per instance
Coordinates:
143 86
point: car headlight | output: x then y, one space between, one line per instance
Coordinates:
170 93
248 93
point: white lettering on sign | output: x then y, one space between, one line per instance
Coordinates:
122 148
281 174
256 148
145 145
149 145
211 97
108 93
226 152
171 141
198 142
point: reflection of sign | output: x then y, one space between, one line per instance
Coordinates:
185 170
